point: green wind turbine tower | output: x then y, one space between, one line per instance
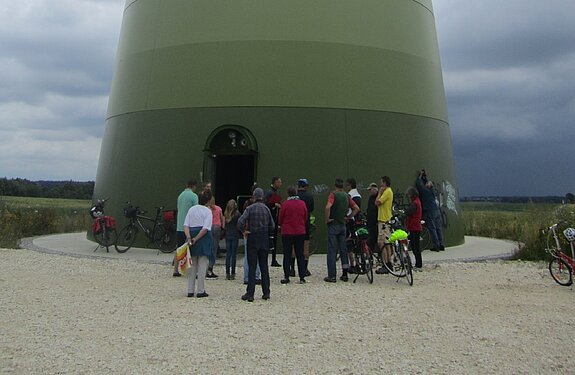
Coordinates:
240 91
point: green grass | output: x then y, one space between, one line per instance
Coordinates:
26 217
524 223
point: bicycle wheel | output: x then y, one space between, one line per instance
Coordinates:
407 265
313 241
126 238
367 261
395 266
106 238
424 239
164 239
561 272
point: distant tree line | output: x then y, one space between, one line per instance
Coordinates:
46 189
568 198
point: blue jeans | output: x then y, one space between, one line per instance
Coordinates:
296 243
433 223
216 232
231 250
247 267
336 239
258 248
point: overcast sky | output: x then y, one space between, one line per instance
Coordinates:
508 67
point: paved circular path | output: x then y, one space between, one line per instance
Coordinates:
76 244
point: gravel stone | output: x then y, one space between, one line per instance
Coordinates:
70 315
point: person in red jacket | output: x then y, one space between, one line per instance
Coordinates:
293 220
413 224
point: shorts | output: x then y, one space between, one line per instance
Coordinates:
383 232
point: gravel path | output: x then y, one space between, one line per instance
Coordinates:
64 315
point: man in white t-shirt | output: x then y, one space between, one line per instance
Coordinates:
198 227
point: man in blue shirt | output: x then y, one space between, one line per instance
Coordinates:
186 200
431 212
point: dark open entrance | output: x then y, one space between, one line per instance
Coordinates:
230 163
234 177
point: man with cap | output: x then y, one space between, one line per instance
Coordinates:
257 223
305 196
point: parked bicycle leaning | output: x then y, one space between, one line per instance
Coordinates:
561 265
159 231
103 226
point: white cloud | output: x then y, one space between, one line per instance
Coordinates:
56 65
508 69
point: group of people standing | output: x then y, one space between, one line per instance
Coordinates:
200 222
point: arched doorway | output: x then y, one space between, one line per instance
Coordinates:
230 162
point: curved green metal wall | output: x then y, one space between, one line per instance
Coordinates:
327 88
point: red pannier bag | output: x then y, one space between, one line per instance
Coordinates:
96 228
110 222
169 216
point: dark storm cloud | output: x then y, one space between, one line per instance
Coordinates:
509 71
509 78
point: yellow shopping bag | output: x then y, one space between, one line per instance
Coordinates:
183 258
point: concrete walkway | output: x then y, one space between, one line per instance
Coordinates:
76 244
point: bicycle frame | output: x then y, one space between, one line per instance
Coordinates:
149 232
557 252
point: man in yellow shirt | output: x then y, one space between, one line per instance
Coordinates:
384 202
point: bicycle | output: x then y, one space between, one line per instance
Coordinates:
362 255
158 231
561 265
424 237
313 237
103 227
400 261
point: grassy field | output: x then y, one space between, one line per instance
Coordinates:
520 222
26 217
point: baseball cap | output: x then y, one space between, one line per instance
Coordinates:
372 185
258 193
302 182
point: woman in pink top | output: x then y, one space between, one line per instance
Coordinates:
218 224
292 219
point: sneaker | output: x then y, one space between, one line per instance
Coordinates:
292 273
202 295
329 280
266 296
441 248
434 249
228 277
307 273
190 294
232 276
275 263
284 281
247 297
176 274
211 275
302 281
258 281
344 278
